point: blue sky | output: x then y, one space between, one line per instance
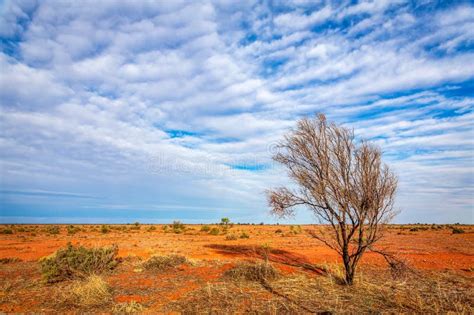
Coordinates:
118 111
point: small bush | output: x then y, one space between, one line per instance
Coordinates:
205 228
458 231
252 272
161 263
128 308
6 231
214 231
91 292
71 229
104 229
279 231
231 237
244 235
135 227
21 229
178 227
151 228
53 230
78 262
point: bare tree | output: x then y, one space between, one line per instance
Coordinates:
343 182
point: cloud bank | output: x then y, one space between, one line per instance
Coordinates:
117 111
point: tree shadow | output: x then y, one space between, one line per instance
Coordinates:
274 255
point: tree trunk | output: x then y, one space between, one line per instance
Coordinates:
348 267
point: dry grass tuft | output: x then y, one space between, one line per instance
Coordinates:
9 260
373 292
91 292
128 308
260 272
161 263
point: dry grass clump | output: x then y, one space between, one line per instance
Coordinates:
128 308
161 263
9 260
90 292
373 292
78 262
260 272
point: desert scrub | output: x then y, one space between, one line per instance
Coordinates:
128 308
104 229
6 231
205 228
161 263
231 237
53 230
178 227
71 229
214 231
77 262
244 235
261 271
90 292
9 260
458 231
151 228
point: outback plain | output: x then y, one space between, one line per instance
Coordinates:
230 268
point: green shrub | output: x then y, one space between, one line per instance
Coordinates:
244 235
178 227
214 231
6 231
78 262
21 229
104 229
53 230
151 228
205 228
71 229
458 231
160 263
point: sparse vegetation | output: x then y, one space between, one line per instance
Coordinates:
161 263
6 231
78 262
231 237
244 235
205 228
9 260
151 228
92 291
53 230
128 308
457 230
214 231
260 271
71 229
104 229
178 227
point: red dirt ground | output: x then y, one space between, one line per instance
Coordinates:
211 256
428 249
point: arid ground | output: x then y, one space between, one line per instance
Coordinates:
439 278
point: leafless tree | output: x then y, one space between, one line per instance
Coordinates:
342 181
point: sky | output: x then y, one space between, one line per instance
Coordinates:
154 111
